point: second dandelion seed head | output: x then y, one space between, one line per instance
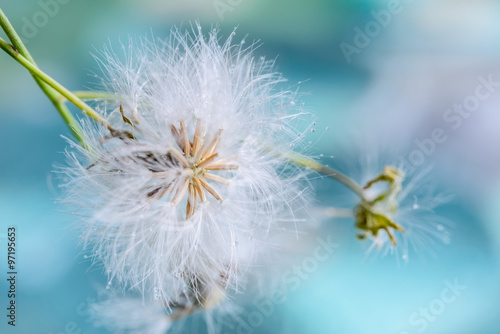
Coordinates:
375 213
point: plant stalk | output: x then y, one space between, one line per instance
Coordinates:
306 162
11 51
54 97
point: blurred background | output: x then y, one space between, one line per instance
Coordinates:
380 76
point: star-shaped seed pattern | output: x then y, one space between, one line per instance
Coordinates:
199 159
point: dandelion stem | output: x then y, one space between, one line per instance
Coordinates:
305 162
54 84
88 95
54 97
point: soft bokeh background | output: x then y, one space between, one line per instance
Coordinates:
396 88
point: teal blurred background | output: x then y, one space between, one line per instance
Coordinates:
394 89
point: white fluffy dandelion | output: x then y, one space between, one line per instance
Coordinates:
181 195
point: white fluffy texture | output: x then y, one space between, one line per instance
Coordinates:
424 229
130 316
147 244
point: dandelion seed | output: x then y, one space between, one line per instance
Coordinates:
188 169
403 214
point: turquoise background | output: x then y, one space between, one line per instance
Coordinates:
427 58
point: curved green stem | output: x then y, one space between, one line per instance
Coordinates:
54 97
13 36
10 50
89 95
306 162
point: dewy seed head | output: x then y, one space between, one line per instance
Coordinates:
197 158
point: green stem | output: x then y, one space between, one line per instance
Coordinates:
55 98
13 36
11 51
89 95
305 162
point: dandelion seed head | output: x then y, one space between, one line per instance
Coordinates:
400 216
182 198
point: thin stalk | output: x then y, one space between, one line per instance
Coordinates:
54 97
13 36
305 162
89 95
11 51
339 212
